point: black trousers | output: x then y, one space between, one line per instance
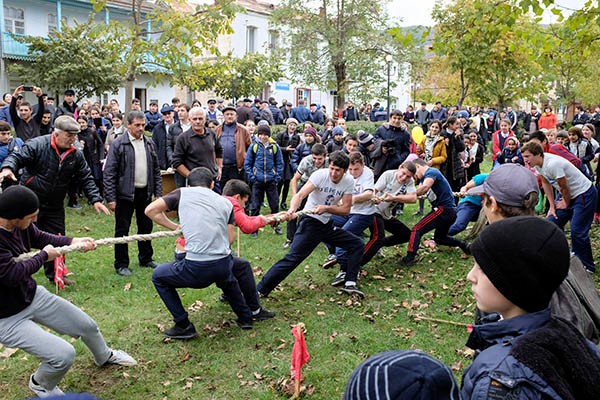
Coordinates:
123 214
231 172
51 219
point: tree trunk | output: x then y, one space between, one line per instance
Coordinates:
129 82
342 83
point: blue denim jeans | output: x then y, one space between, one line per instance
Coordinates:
465 212
198 274
355 224
581 215
309 234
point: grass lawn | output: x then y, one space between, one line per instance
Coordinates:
225 362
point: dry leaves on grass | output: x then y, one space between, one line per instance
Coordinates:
195 306
127 287
7 352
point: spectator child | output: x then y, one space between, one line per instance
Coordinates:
518 355
511 152
338 140
264 169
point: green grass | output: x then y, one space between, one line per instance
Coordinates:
225 362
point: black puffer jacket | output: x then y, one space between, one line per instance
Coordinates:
48 173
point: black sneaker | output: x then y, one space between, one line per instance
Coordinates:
353 290
466 248
254 235
408 260
179 333
277 230
245 325
263 315
330 261
339 279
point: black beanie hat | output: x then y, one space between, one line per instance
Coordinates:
402 375
525 258
17 202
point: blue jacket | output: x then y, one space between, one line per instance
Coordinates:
277 116
301 113
441 115
152 119
5 115
264 163
301 151
495 362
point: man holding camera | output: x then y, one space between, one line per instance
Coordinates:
26 124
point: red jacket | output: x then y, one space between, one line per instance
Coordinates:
246 223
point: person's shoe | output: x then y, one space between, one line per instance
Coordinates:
590 270
353 290
179 333
254 235
41 391
419 212
466 248
408 260
223 298
283 206
330 261
75 206
245 325
339 279
287 244
124 271
120 357
277 230
263 314
152 264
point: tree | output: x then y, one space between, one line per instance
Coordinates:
77 57
167 38
340 45
484 42
233 77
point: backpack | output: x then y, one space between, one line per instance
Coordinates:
255 148
577 301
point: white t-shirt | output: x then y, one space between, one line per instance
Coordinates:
326 192
364 182
388 183
555 167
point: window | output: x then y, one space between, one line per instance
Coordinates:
51 24
250 39
303 94
14 20
273 40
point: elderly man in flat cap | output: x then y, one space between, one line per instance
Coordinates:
49 163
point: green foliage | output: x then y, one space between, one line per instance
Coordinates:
231 77
485 44
338 46
80 57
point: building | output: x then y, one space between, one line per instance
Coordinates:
252 33
41 18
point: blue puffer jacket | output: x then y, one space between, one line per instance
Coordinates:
264 163
495 362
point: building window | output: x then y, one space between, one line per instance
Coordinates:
303 94
14 20
273 40
250 39
52 24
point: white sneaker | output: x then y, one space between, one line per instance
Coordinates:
119 357
41 391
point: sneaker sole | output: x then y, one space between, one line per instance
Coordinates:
258 319
328 264
182 337
338 282
353 293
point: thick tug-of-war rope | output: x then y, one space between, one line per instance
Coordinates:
279 217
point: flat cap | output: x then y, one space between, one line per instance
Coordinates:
67 124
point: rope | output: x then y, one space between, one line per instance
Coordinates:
142 237
106 242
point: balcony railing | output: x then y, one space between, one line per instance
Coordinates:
13 49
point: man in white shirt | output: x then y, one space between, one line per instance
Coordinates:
325 189
577 201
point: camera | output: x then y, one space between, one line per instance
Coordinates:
28 88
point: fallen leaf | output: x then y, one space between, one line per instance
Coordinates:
186 357
379 277
457 366
321 313
125 375
7 352
258 376
189 384
127 287
166 383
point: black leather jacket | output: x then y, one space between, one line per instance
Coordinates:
48 171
